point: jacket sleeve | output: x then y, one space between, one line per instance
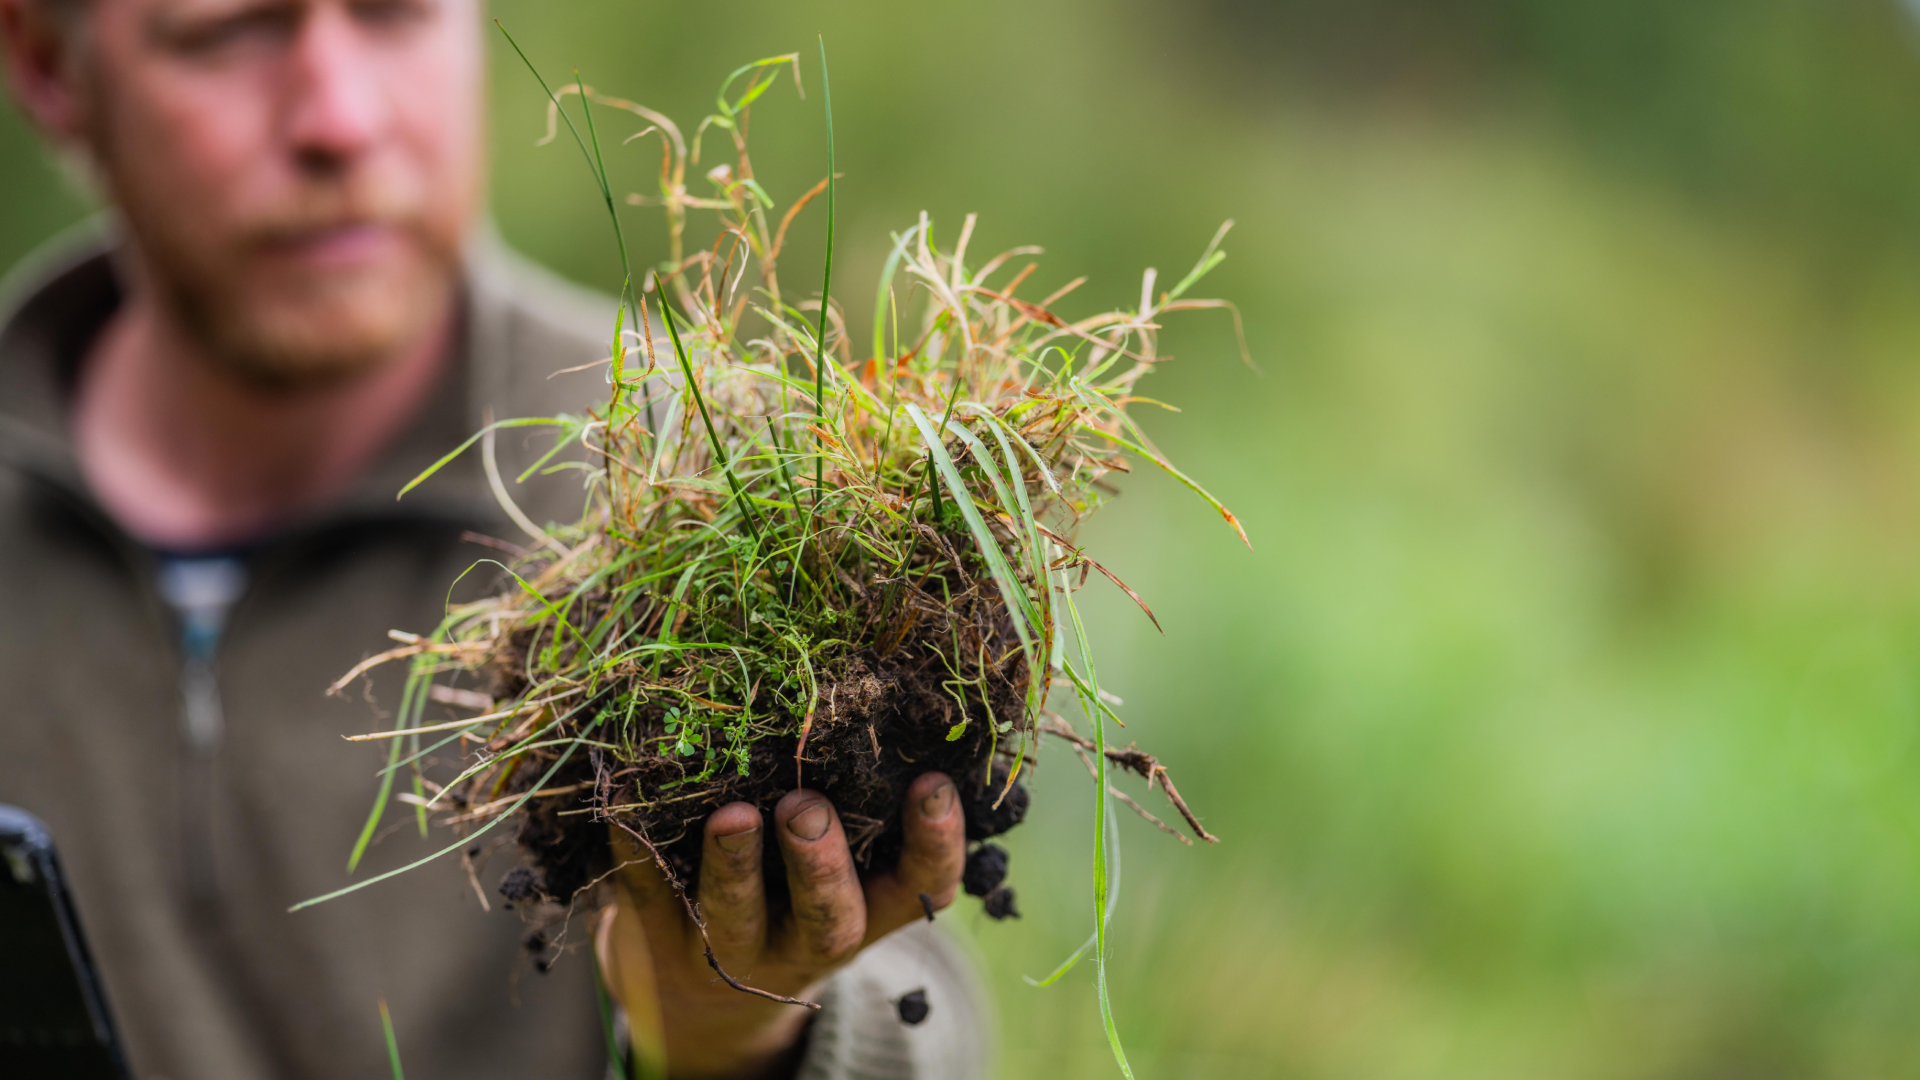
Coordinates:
859 1034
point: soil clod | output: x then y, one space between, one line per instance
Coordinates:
1000 904
994 808
986 869
913 1007
519 884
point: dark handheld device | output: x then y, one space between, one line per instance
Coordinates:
53 1010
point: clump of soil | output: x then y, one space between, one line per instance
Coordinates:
886 722
882 719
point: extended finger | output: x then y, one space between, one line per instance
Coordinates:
829 911
933 852
733 897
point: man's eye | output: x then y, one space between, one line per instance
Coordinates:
264 26
392 13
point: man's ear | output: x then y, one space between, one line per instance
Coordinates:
41 46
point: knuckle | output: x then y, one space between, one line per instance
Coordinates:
839 943
733 938
822 872
729 892
934 871
830 932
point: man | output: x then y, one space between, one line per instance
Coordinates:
206 408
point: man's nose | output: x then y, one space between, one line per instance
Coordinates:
336 108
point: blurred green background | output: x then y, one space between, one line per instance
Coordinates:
1562 722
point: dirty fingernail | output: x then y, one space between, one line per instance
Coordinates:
811 823
736 843
936 805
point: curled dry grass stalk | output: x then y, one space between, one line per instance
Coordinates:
810 556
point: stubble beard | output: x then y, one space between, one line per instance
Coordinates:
281 327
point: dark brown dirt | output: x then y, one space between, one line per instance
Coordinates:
913 1007
986 870
882 722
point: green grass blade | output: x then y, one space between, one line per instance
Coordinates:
558 618
1065 965
826 290
1036 547
616 1061
1014 504
886 286
1208 260
1167 467
1113 902
693 387
606 192
1019 604
1039 463
525 421
594 161
393 1045
419 791
1103 890
506 815
755 89
415 691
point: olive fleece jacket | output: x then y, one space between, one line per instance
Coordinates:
184 853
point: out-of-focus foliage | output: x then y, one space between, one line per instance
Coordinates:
1797 114
1565 720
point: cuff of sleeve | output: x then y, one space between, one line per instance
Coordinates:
859 1034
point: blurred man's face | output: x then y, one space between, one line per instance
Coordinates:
296 175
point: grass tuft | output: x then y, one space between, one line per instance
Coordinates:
804 564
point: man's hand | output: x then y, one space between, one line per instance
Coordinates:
652 952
